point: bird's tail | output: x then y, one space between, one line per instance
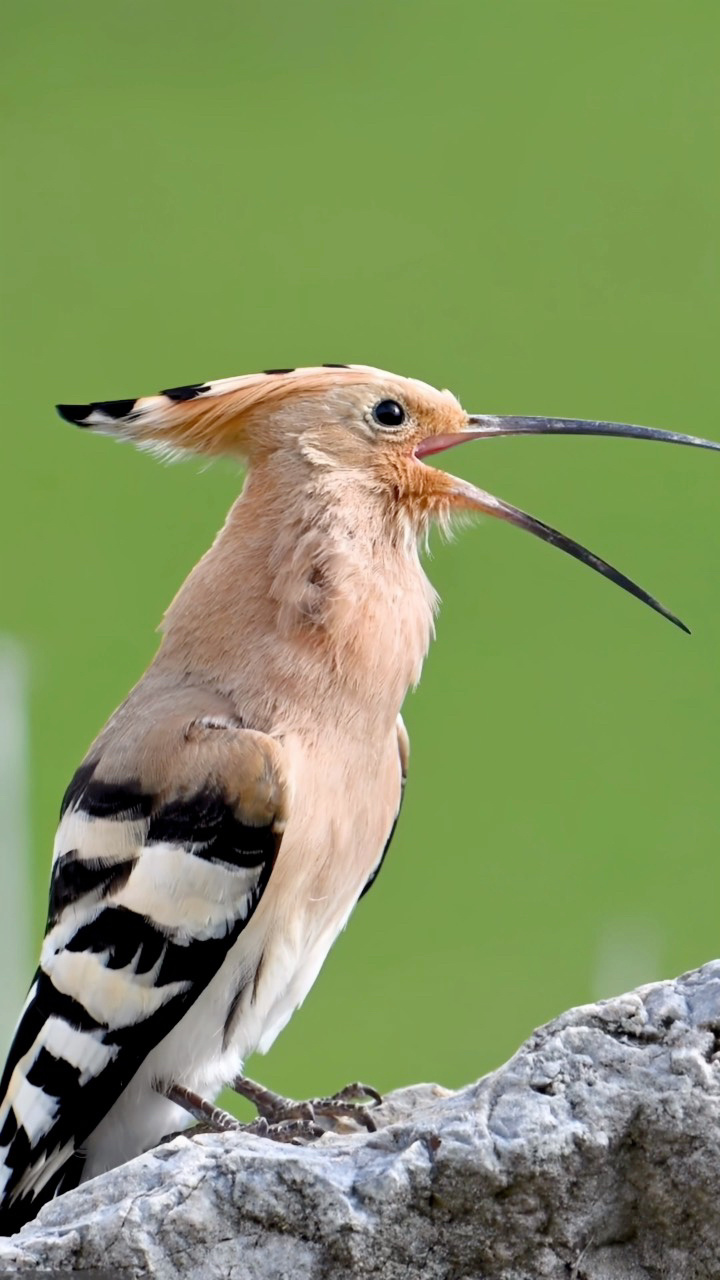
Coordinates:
37 1160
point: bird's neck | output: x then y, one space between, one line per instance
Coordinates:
310 596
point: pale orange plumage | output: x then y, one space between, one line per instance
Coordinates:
227 819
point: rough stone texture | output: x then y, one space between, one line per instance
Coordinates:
594 1154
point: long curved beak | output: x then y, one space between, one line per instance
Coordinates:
482 427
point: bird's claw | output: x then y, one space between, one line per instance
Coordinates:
279 1119
280 1112
347 1102
296 1132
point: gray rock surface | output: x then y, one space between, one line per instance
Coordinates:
593 1154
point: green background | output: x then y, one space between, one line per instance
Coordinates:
519 201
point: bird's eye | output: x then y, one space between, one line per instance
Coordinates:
388 413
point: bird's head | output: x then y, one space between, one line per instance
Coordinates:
360 422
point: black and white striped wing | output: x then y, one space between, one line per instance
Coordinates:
149 891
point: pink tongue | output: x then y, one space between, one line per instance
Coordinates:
436 444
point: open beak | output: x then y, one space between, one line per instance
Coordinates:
481 427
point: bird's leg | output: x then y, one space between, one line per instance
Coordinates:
277 1110
200 1109
212 1119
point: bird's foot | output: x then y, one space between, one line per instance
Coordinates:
212 1119
278 1111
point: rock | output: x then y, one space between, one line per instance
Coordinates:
593 1154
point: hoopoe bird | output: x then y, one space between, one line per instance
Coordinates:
240 802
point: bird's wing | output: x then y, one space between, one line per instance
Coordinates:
404 756
155 874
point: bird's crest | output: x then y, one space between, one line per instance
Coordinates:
209 417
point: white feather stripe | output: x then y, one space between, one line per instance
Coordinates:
190 898
82 1049
111 839
37 1174
155 407
58 938
20 1100
72 919
111 996
34 1109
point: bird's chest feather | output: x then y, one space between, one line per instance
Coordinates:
344 805
327 683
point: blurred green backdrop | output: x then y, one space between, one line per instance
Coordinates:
518 200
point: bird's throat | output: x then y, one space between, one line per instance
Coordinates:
303 592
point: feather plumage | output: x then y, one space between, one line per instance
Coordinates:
134 937
237 805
